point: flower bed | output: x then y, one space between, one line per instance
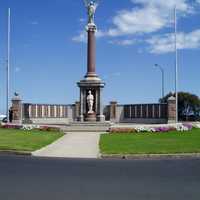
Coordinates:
11 126
31 127
162 129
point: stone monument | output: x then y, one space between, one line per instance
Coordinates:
91 86
17 109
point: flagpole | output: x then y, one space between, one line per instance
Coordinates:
176 62
8 68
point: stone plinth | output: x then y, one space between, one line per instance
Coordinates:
91 82
171 109
113 111
17 109
95 85
77 108
91 117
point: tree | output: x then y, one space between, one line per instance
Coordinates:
189 105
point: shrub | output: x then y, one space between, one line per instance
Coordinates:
50 129
11 126
122 130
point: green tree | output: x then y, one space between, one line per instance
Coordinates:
189 105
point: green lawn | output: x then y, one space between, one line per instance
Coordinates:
26 141
148 143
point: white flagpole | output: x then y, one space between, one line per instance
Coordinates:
176 62
8 68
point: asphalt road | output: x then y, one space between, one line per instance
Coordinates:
26 178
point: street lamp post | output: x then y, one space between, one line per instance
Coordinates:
8 69
176 62
163 79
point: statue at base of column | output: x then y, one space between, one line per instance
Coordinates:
90 102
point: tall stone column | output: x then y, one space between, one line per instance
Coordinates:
91 84
91 51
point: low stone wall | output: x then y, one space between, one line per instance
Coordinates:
64 114
56 121
48 113
158 113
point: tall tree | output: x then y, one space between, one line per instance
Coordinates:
189 105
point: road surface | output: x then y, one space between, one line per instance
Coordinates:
28 178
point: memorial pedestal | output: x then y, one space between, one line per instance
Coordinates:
91 84
95 85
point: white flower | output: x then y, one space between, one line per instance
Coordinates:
181 128
197 125
153 130
30 127
142 129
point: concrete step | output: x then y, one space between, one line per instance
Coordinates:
87 127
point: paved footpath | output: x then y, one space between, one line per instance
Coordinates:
72 145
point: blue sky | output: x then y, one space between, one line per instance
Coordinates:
49 49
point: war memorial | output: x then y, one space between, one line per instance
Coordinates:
89 109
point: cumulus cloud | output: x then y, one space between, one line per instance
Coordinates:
165 43
149 16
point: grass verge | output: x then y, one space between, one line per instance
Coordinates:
25 141
148 143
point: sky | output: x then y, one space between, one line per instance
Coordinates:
48 49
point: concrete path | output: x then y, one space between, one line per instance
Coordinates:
72 145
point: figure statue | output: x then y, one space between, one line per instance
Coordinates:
91 7
90 102
16 94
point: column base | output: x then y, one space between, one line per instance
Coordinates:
81 118
101 118
91 117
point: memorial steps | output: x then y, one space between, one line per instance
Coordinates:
87 127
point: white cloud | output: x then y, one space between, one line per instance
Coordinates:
34 23
136 21
182 5
82 20
149 16
17 69
125 42
82 37
112 75
165 43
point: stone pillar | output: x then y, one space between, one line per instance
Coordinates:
17 109
113 111
100 116
91 56
171 109
81 114
91 82
77 110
